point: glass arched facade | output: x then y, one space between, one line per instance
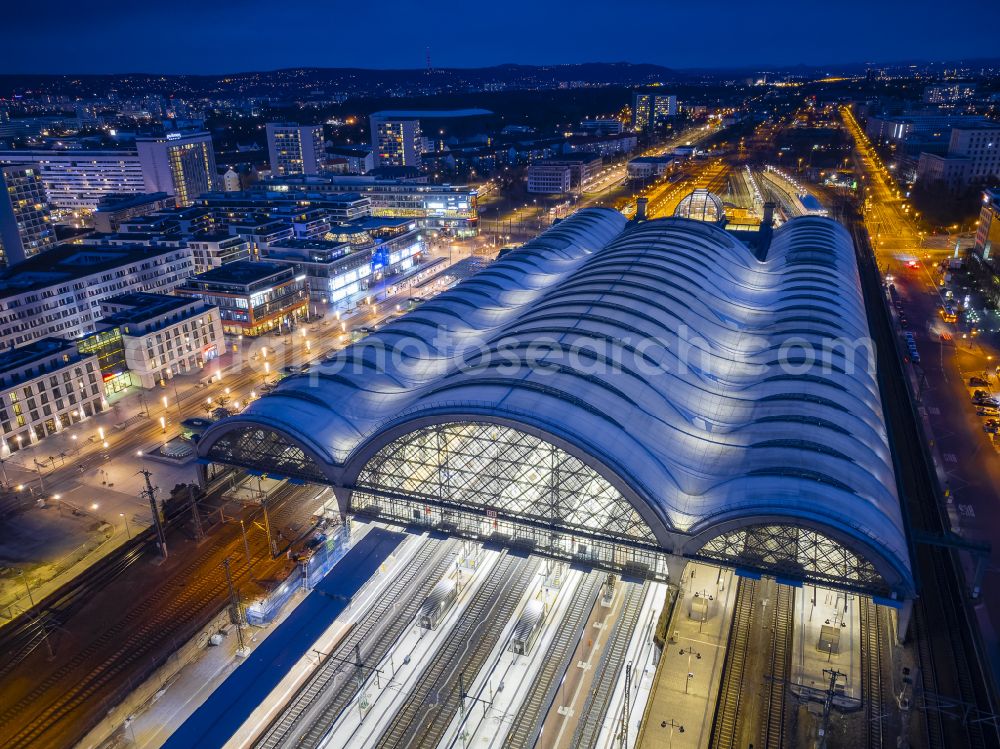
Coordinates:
483 480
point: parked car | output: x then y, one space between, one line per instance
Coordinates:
991 426
988 411
978 382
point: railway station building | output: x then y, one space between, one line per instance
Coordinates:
631 395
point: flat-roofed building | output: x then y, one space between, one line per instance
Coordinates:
453 208
601 126
78 179
583 167
397 135
25 217
215 249
253 297
261 232
651 110
60 293
360 160
179 162
163 335
113 210
45 386
550 179
649 167
295 149
345 267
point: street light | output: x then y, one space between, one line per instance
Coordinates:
125 520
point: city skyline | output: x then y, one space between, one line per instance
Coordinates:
395 376
230 38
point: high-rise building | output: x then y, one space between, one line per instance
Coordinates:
25 218
78 179
179 163
650 110
396 141
294 149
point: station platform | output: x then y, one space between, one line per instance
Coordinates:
827 638
685 686
229 706
560 723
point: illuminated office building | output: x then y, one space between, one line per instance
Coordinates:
179 163
650 110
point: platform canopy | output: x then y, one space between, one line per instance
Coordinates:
653 383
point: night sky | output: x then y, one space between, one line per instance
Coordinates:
215 36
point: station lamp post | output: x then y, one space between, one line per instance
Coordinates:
672 724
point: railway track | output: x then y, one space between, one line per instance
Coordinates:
316 706
435 699
951 655
725 724
129 649
588 729
523 733
871 667
773 721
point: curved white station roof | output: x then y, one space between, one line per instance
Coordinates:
658 350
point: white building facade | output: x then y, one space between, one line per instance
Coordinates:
45 387
60 293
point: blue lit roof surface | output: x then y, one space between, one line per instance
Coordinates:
670 333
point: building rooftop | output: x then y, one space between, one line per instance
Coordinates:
139 307
579 156
318 245
124 201
212 236
706 435
70 262
239 272
43 348
651 160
